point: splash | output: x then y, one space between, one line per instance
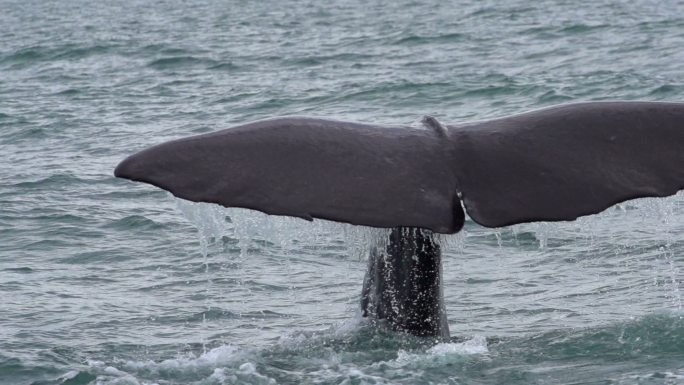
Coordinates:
224 364
442 354
233 235
252 228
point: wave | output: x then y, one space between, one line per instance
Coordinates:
316 60
137 222
36 54
655 334
26 134
52 181
225 66
333 356
177 62
361 353
420 40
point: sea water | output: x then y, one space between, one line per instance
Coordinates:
106 281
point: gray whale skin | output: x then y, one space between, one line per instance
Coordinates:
553 164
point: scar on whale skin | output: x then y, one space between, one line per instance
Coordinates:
553 164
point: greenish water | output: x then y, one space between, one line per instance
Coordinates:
106 281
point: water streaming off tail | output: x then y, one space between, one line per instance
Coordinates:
569 274
260 250
287 234
589 240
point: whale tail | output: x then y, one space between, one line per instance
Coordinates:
552 164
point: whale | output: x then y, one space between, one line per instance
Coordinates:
553 164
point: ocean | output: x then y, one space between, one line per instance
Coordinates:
106 281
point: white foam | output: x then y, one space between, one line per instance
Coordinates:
69 375
442 353
125 374
351 374
109 375
220 356
246 374
476 345
665 377
349 325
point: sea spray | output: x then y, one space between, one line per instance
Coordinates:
287 237
250 227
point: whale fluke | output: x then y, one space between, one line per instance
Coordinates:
553 164
564 162
312 168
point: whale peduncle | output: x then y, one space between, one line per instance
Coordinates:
402 287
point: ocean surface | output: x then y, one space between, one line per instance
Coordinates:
106 281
